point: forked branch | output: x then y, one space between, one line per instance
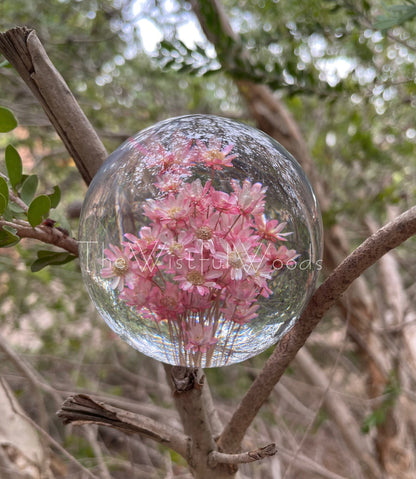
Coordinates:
82 409
34 66
43 233
244 457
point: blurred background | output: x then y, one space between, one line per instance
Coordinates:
346 73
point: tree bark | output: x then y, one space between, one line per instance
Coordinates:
22 48
35 69
273 117
372 249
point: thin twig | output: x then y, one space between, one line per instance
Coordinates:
45 234
217 457
18 201
48 437
31 375
82 409
91 434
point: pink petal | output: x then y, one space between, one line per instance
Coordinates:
110 255
107 273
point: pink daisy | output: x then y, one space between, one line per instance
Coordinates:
270 230
250 198
119 268
240 313
200 338
278 258
194 279
212 156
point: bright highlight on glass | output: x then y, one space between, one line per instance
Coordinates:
200 241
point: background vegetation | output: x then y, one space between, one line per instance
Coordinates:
346 72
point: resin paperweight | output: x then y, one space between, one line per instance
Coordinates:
200 241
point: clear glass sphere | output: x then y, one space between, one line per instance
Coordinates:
200 241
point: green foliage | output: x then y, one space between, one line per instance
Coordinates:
8 237
3 204
178 56
379 414
55 197
46 258
13 165
7 120
38 210
396 15
4 195
25 187
4 189
29 187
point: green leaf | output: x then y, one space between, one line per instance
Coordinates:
13 165
4 189
46 258
55 197
14 208
397 15
7 120
10 229
38 210
7 214
3 203
29 188
5 64
8 237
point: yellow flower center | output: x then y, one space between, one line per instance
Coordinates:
176 248
204 233
235 260
172 212
120 266
214 155
196 278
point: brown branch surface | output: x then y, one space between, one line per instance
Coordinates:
187 385
372 249
82 409
244 457
272 117
22 48
46 234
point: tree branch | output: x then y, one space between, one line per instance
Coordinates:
188 385
22 48
372 249
24 51
45 435
270 113
46 234
243 458
82 409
